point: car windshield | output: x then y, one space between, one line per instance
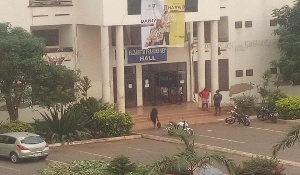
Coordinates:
32 140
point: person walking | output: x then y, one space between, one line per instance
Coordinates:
217 102
154 116
204 98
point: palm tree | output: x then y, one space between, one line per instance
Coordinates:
290 139
187 161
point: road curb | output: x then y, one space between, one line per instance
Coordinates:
291 121
219 149
113 139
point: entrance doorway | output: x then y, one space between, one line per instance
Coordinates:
164 84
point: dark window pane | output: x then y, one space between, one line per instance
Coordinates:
50 36
207 75
249 72
135 35
273 70
248 24
224 74
273 22
239 73
191 5
238 24
134 7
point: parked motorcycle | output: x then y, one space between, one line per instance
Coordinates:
181 125
267 114
236 117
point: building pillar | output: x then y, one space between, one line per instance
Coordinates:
120 68
201 58
139 84
214 57
105 64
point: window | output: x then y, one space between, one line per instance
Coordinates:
273 22
238 24
273 70
248 24
249 72
239 73
135 35
32 140
191 5
134 7
51 36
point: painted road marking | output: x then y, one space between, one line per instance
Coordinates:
228 140
263 129
12 169
209 130
99 155
138 149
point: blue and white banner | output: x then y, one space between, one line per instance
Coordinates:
139 55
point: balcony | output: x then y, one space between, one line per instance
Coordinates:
49 3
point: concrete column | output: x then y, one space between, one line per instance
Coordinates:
105 64
139 84
201 58
191 41
214 57
120 68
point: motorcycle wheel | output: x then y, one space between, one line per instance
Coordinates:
170 132
191 132
261 117
230 120
246 122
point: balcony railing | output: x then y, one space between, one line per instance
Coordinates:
49 3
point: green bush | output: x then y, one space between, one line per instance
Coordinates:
121 165
289 108
16 126
245 103
65 125
89 167
261 166
111 123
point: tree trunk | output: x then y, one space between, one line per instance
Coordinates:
13 109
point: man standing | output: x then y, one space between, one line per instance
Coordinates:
217 103
204 98
166 20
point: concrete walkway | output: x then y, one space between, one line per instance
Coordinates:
186 111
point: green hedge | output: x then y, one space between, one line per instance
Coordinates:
289 108
16 126
111 123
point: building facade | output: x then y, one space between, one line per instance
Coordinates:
228 45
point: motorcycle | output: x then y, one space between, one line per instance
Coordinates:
182 125
236 117
267 114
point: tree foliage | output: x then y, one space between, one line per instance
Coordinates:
25 76
289 41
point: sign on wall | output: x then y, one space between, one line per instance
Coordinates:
163 23
139 55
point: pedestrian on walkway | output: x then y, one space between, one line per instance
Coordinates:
204 98
217 102
154 116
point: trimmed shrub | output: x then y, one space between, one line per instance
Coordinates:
111 123
16 126
289 108
261 166
89 167
245 103
121 165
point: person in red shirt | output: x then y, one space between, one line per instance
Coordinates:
204 98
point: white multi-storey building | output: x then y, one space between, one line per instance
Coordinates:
228 45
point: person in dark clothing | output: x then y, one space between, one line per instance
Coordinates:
217 102
154 116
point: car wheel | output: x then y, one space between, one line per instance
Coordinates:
43 157
14 158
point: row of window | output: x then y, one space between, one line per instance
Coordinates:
248 24
240 73
134 6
